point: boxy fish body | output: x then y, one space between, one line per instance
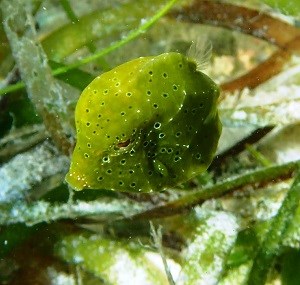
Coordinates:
144 126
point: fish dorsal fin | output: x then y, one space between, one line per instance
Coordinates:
200 52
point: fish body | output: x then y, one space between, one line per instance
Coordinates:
144 126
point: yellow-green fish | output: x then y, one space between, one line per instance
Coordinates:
146 125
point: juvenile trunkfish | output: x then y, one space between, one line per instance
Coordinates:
146 125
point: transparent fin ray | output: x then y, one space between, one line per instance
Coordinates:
200 51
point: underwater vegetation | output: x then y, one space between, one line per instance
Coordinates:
113 99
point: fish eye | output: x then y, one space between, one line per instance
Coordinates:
123 144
